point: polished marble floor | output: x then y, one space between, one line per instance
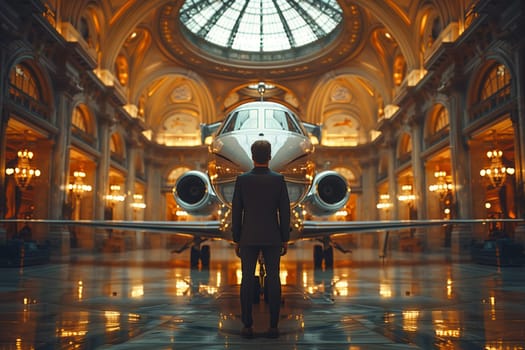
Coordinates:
152 299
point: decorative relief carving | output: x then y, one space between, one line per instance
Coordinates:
181 94
340 94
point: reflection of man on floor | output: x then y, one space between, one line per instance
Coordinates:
260 224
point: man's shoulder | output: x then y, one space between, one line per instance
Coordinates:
244 174
266 172
275 173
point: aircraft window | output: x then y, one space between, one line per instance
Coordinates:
279 120
242 120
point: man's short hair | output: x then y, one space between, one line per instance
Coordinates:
261 151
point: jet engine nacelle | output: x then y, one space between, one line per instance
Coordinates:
193 192
329 193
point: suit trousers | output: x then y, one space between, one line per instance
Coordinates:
272 257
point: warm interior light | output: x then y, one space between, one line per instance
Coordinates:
78 187
23 172
443 184
115 196
496 171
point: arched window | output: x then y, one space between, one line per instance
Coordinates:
382 169
440 119
81 124
79 120
405 148
23 79
493 91
495 83
438 125
116 147
25 90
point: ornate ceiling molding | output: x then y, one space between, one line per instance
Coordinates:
347 43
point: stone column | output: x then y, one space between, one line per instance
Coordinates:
518 122
156 208
59 235
418 170
461 235
106 123
390 147
368 210
4 74
130 179
156 203
3 162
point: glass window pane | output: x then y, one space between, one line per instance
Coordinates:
267 25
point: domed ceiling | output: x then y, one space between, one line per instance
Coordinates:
247 36
260 26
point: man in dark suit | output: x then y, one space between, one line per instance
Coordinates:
260 224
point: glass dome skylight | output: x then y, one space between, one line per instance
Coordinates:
260 25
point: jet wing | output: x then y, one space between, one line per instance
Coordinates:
316 229
310 229
203 229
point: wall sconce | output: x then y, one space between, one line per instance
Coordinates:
442 186
496 171
115 195
78 187
23 172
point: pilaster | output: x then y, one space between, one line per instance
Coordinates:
518 122
107 122
130 179
418 169
370 196
59 236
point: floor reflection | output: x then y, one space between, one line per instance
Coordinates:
153 299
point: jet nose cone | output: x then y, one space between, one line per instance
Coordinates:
285 148
235 149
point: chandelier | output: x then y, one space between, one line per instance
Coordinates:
78 187
23 172
442 186
407 196
138 202
115 196
384 202
496 170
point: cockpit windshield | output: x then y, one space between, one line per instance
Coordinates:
279 120
267 118
242 120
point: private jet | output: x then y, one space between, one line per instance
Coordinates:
209 194
317 193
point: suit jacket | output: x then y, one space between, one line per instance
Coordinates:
260 208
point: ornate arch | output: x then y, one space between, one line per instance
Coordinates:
404 148
492 87
28 86
437 124
201 93
117 147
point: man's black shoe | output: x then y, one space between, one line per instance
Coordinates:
247 332
272 333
